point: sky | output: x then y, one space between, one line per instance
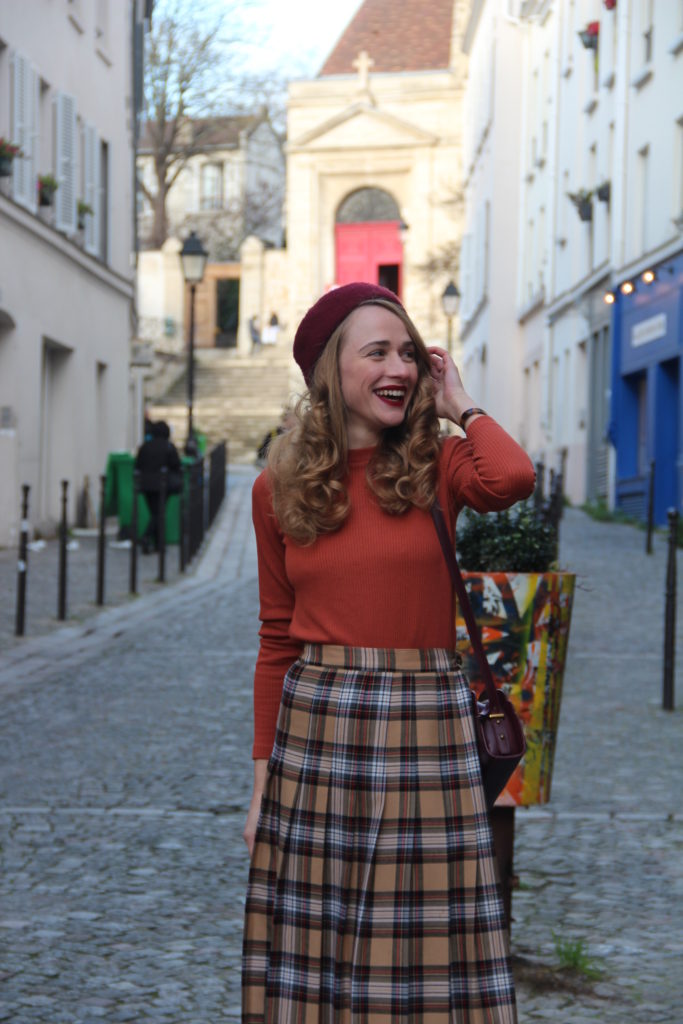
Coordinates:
299 33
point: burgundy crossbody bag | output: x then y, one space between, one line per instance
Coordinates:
500 737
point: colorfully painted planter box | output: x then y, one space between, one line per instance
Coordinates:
524 619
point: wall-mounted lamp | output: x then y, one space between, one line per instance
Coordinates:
627 287
648 276
403 230
609 298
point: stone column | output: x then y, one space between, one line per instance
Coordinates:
251 290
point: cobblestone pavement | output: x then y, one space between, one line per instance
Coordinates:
125 775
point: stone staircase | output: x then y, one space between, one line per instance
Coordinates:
236 397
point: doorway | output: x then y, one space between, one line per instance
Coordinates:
368 245
227 312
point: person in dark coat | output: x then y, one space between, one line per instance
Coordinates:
153 455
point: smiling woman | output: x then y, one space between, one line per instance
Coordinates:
372 890
378 371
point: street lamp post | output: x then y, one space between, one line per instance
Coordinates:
193 258
449 303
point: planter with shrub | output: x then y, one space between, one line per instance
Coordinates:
523 607
47 186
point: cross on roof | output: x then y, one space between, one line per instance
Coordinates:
363 63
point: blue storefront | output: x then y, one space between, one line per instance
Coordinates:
646 419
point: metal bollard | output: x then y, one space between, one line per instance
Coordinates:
101 545
538 491
22 565
670 615
181 524
650 509
63 529
133 573
161 524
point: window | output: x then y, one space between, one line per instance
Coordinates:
678 172
76 14
642 201
647 29
529 260
91 187
211 197
25 88
102 30
569 37
103 202
66 153
467 298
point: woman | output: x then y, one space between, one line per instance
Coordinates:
372 895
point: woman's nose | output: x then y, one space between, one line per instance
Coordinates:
397 365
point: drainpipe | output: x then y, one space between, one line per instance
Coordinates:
620 156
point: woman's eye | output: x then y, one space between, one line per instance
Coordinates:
410 354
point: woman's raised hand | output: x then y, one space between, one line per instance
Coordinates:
449 392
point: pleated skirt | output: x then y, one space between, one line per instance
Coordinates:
372 892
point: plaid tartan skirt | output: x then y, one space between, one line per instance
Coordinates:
372 892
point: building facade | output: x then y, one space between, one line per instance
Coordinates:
230 184
598 198
490 333
69 81
230 187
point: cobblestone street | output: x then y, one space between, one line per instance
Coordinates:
125 774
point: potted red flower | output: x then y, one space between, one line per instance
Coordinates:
8 151
589 36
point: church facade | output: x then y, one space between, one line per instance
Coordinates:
374 165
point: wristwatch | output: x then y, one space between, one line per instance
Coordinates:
474 411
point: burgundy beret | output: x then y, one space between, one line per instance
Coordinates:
325 316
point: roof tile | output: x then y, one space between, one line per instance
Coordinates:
408 35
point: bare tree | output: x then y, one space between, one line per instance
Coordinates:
191 67
223 231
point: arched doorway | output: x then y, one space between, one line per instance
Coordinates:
368 244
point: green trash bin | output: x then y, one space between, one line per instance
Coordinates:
118 498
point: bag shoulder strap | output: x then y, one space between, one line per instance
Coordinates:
465 606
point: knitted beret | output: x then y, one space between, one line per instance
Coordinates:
325 316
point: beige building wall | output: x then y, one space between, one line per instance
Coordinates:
65 298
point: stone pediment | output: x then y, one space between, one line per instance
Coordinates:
363 126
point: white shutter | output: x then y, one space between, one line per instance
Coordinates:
65 197
34 103
92 191
21 185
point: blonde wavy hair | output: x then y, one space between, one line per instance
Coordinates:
308 464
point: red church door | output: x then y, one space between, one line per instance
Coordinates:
370 251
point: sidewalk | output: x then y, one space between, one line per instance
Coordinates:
601 865
82 611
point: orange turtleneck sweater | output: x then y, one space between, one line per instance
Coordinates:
380 580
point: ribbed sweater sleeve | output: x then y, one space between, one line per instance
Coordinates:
277 649
487 470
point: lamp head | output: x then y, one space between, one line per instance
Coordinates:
193 258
